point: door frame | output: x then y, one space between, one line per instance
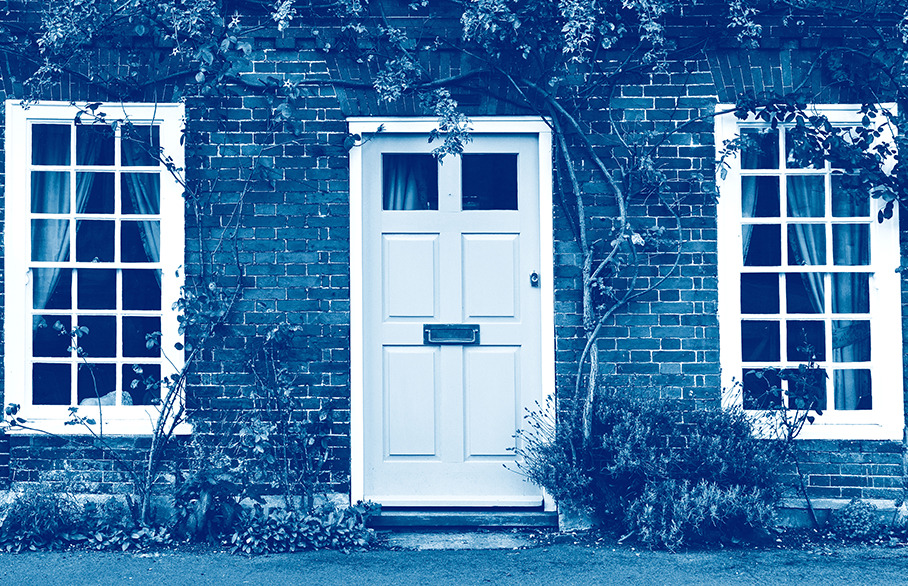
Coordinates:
424 125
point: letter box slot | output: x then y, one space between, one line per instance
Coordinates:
450 334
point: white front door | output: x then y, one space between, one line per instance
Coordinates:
451 319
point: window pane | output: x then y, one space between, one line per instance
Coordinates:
409 182
806 341
140 241
760 197
141 193
97 381
806 244
848 200
806 388
806 197
94 241
50 192
852 390
141 146
759 149
142 289
47 339
850 293
50 145
50 240
850 341
94 144
762 245
101 339
135 330
760 341
804 293
96 190
489 182
762 389
51 384
52 288
97 288
141 384
759 293
851 244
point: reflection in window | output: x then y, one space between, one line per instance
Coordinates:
409 182
489 182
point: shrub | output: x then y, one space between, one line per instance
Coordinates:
856 521
38 519
645 454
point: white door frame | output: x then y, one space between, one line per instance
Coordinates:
480 125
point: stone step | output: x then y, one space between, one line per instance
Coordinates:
473 519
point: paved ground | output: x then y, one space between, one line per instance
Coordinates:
563 563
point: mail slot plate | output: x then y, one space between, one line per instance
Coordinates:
450 334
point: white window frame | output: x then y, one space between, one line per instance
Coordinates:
117 419
885 420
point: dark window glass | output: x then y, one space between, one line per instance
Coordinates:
52 288
849 199
806 341
759 293
97 381
140 241
97 288
760 341
94 144
98 191
489 182
852 389
47 338
135 330
50 240
806 388
94 241
762 389
141 289
850 341
806 196
51 384
762 245
141 193
759 149
760 197
101 339
850 293
140 146
806 244
141 384
50 145
409 182
851 244
50 192
804 293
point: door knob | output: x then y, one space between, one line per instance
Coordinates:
534 279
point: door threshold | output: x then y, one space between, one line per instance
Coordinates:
409 518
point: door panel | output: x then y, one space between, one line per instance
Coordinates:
440 420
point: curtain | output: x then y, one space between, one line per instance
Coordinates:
144 195
807 241
851 338
405 185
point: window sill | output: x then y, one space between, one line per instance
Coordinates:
120 421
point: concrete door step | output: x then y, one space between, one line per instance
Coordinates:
463 519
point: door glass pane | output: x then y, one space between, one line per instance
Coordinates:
489 182
94 241
96 190
852 390
850 341
806 196
762 246
804 293
140 146
50 240
141 193
50 145
51 384
806 244
409 182
759 149
760 341
94 144
759 293
50 192
141 384
806 340
850 293
851 244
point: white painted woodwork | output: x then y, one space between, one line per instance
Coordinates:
439 422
